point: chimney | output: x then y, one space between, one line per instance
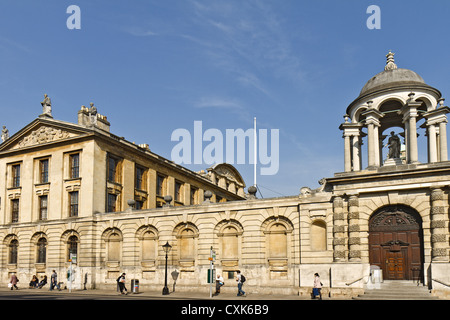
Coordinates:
89 117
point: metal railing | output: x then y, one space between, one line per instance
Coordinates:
350 283
441 282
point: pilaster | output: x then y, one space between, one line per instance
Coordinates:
439 242
339 238
354 239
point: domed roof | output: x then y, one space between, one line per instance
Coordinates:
392 76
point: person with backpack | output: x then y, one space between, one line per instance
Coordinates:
240 280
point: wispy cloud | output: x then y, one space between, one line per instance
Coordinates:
214 102
230 105
8 44
247 37
139 31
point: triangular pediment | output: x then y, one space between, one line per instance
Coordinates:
42 131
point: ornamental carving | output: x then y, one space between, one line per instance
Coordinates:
394 218
42 135
338 202
437 194
353 201
437 210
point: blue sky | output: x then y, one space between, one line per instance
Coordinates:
155 66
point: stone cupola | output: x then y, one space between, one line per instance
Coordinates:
394 99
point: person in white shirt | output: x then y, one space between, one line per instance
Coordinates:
219 283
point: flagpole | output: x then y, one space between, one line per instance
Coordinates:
254 151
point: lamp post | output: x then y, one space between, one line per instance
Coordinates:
166 249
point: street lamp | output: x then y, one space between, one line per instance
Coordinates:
166 249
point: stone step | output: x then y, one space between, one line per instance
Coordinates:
397 290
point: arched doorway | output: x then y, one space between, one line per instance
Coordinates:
396 243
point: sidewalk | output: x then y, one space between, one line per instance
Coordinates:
154 295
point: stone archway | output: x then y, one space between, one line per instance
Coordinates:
396 243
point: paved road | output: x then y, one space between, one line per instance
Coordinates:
177 305
45 294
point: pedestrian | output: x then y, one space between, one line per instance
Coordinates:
219 283
121 284
43 282
54 281
240 280
14 281
317 287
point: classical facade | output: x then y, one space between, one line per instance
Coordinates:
77 190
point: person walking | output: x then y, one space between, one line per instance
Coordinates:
14 281
240 280
219 283
54 281
317 287
121 284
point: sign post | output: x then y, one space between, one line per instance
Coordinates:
72 258
212 259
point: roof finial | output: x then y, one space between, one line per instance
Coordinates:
390 64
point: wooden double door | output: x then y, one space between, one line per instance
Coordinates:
396 243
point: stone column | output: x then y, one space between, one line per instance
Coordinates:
347 154
409 112
356 153
354 239
407 141
339 253
437 126
432 144
443 140
371 144
439 241
412 138
373 117
376 142
351 133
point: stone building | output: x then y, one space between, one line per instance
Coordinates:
78 189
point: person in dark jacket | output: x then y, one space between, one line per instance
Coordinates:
121 283
43 282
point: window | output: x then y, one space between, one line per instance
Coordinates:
16 175
140 178
15 210
139 204
318 236
41 250
160 182
112 199
230 243
113 169
72 247
43 207
187 244
194 193
74 165
13 249
178 191
278 241
73 210
149 246
114 241
43 170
